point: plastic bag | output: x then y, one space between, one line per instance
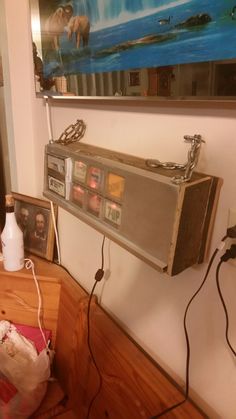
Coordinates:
22 369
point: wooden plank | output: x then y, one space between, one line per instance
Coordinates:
189 233
19 298
210 218
133 385
69 414
67 339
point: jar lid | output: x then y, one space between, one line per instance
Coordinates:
9 201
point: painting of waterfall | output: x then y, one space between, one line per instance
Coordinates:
94 36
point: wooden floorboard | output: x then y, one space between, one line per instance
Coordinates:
66 415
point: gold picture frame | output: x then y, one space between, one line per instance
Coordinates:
34 217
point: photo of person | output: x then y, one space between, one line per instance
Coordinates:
34 217
38 236
23 223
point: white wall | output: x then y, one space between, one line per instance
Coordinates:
18 92
148 304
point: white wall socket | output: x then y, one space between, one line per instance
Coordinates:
232 217
231 223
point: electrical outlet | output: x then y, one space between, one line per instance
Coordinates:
232 217
231 223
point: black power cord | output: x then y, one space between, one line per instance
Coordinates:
229 254
98 277
167 410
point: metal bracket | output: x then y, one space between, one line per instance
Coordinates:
193 155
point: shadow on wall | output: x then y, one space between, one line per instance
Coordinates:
2 190
2 183
1 72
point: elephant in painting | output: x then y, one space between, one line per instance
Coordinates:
56 23
80 26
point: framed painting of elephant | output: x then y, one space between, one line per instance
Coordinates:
93 37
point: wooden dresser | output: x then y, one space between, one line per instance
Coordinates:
133 385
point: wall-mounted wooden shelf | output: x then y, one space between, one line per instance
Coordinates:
164 224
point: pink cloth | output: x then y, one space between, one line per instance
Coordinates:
34 334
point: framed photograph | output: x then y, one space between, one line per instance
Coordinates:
35 219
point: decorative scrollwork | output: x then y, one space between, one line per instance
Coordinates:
72 133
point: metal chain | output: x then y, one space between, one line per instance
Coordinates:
72 133
193 155
169 165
